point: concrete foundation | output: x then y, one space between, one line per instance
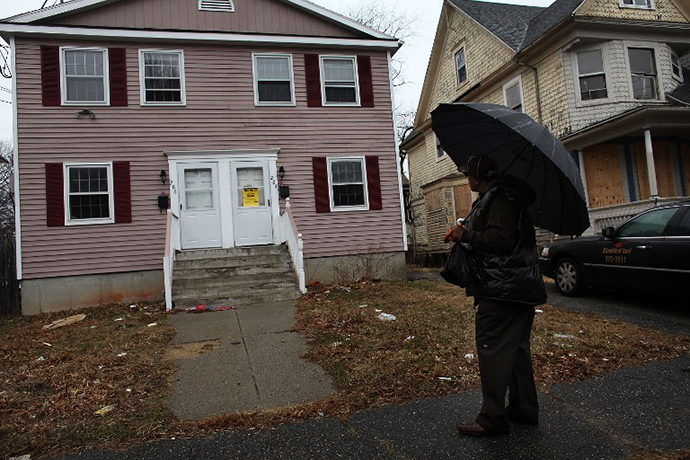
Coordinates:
344 269
56 294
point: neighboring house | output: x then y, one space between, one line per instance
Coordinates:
220 107
607 77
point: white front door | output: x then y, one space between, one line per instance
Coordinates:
199 206
251 202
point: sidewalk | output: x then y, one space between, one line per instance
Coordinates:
253 362
614 417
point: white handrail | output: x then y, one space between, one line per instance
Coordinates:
168 259
295 244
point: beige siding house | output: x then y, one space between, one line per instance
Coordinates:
610 78
220 109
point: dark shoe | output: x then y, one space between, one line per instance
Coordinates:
475 429
521 420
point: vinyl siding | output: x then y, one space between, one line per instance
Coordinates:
250 16
220 115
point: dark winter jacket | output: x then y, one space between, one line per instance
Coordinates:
501 236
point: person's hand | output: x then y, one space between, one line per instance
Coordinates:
454 234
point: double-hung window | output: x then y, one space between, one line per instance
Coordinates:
273 79
339 77
347 177
647 4
89 193
162 78
85 76
675 66
643 73
592 78
460 66
512 94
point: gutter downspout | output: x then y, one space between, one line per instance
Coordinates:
17 191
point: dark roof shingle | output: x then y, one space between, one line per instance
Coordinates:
682 92
548 19
507 22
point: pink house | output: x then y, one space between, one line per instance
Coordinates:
216 109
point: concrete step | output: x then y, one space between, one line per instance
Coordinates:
250 251
228 262
246 272
188 298
199 280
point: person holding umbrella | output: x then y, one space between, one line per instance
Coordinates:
501 236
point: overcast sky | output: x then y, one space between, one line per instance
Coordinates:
415 52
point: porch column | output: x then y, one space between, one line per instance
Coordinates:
583 174
651 169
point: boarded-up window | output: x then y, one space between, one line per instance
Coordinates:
603 170
462 196
433 200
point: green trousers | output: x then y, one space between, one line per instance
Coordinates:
503 330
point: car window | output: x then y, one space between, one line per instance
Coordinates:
684 227
649 224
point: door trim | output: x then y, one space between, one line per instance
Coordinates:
224 158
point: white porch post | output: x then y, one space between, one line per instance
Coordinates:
651 168
583 175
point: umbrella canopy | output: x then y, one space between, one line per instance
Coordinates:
523 149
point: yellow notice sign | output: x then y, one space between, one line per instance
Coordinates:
251 197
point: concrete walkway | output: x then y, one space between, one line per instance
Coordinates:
241 360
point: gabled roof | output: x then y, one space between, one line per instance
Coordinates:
549 18
73 6
682 92
508 22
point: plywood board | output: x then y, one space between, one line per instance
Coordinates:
603 172
433 200
462 196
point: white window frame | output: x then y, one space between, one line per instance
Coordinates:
517 81
455 65
365 206
111 194
651 5
576 74
142 78
287 56
63 76
353 59
673 54
659 73
438 147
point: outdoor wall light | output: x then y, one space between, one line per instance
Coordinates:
86 113
163 175
281 173
283 190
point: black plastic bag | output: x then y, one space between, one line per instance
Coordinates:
461 268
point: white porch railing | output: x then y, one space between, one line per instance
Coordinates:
613 216
293 238
171 244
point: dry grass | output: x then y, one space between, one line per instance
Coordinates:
47 405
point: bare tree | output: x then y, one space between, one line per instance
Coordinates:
6 186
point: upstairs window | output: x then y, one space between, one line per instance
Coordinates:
647 4
592 78
460 66
339 80
643 73
512 95
85 76
675 66
348 186
273 80
89 194
162 78
440 153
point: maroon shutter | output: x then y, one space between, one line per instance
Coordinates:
313 75
50 75
123 194
322 194
55 195
374 183
366 82
117 59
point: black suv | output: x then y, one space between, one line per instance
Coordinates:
649 251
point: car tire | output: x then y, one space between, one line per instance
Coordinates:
568 277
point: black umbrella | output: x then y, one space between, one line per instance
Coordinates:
522 148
